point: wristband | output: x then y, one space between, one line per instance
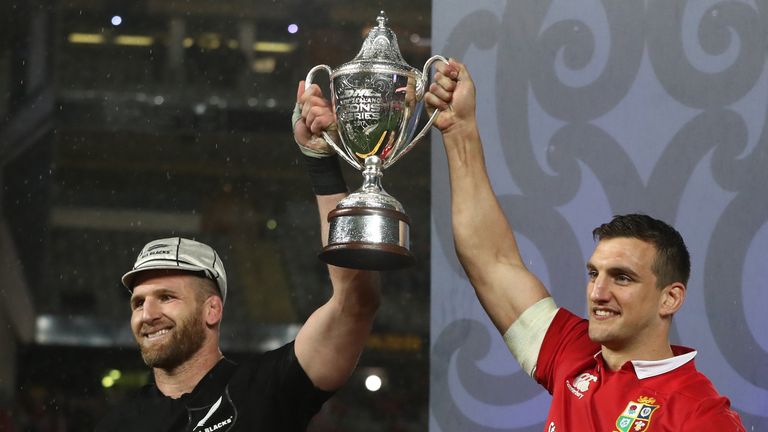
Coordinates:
296 116
325 175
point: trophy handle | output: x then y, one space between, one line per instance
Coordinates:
337 148
423 131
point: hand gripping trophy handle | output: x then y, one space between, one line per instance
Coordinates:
337 148
422 90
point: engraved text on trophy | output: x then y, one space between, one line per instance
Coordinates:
371 109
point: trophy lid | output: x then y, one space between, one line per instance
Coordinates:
380 47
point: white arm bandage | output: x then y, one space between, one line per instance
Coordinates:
526 334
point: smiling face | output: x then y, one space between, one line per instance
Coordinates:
626 308
168 318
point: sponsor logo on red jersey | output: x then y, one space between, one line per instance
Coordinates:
581 384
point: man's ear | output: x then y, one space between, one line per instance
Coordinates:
214 310
672 298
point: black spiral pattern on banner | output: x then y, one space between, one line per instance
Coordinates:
730 41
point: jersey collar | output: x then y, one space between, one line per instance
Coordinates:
650 368
216 378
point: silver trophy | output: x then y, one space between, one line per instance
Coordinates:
377 99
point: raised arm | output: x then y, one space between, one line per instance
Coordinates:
484 241
329 343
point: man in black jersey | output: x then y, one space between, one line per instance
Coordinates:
178 291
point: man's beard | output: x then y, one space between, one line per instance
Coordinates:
187 338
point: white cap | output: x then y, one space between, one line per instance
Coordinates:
178 253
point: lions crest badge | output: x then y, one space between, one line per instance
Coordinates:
636 417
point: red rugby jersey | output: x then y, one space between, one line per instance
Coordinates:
666 395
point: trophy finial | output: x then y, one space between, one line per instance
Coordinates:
382 19
380 45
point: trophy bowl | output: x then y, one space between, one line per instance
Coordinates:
377 99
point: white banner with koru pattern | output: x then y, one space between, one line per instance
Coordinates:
589 109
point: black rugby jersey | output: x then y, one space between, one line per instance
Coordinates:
268 392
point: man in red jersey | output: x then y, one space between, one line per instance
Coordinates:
616 371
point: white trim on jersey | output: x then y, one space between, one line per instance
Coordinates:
651 368
525 336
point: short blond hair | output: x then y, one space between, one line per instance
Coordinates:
205 288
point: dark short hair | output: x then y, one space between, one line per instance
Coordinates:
672 262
